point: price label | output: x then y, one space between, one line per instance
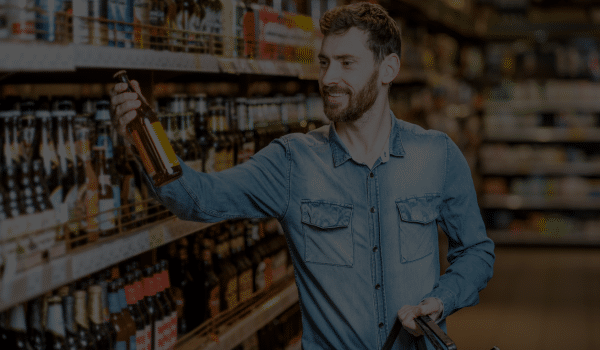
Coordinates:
156 236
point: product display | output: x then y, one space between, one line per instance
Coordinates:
89 260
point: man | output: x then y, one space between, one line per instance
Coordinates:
360 199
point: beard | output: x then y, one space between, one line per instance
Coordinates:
357 105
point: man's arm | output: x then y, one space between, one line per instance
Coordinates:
470 251
257 188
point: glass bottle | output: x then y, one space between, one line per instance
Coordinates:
203 137
151 142
155 311
37 338
106 202
19 329
85 337
123 334
98 328
129 319
164 294
134 308
55 325
211 285
227 272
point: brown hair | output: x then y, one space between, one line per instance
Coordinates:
384 34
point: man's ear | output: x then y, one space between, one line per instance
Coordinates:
390 66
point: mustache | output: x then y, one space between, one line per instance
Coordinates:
334 90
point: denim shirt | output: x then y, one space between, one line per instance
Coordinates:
364 242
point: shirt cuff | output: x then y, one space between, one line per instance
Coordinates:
447 298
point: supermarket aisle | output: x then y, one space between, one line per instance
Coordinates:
539 298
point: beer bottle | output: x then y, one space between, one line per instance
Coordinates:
202 135
157 21
27 195
226 270
211 286
98 328
143 306
85 338
185 289
29 127
55 325
68 307
14 204
134 308
151 142
123 333
19 329
154 310
102 280
106 218
37 338
243 264
6 335
164 295
131 324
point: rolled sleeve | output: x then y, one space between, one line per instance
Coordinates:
470 251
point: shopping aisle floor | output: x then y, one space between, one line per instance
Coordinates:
539 298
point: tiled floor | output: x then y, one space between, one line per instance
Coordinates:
539 298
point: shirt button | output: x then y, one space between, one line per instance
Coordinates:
377 286
372 209
372 175
374 249
380 324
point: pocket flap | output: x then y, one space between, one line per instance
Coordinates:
421 210
326 215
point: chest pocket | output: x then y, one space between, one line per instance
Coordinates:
327 229
417 226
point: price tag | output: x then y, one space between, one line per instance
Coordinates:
34 281
59 272
227 66
156 236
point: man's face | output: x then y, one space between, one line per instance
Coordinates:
348 79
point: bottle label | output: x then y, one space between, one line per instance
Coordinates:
147 338
121 345
143 154
107 218
132 343
231 293
130 294
163 146
245 285
214 302
140 339
159 336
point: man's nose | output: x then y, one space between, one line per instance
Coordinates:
330 74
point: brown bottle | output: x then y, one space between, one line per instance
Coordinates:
151 142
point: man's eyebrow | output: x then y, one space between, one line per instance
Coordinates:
337 57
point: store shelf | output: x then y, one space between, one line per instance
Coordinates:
536 168
228 330
17 287
590 104
518 202
507 237
41 57
541 135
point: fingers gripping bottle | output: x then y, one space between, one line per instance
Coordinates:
151 141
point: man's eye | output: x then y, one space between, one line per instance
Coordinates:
322 63
347 63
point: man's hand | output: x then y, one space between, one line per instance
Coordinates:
123 105
432 307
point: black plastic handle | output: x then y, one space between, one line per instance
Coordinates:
431 330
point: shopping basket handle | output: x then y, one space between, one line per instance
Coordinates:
429 328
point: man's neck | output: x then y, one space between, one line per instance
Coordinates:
366 136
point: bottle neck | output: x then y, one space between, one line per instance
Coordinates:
81 315
56 324
95 305
69 311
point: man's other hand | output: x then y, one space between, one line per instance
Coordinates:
433 307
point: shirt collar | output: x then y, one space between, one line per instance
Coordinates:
393 145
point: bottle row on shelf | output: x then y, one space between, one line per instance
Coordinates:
536 226
524 159
68 180
218 27
575 58
548 96
567 187
140 305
